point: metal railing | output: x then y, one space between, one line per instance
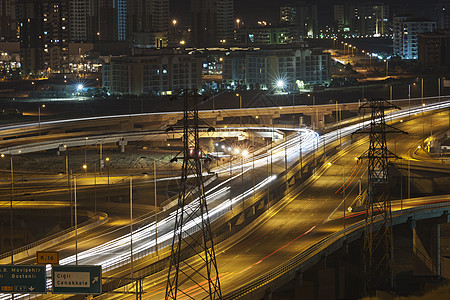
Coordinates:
59 234
314 250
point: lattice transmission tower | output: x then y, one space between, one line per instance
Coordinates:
193 266
378 239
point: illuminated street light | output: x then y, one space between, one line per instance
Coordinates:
80 87
39 116
280 84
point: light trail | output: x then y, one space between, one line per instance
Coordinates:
114 253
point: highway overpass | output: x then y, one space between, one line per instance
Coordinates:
317 203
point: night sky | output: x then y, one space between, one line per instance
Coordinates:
251 11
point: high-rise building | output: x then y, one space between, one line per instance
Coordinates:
434 49
78 20
44 35
405 33
263 68
302 15
157 72
442 12
107 20
148 20
362 19
8 20
212 22
112 20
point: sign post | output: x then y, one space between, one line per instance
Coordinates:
22 279
47 257
77 279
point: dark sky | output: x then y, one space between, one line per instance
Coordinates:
251 11
244 9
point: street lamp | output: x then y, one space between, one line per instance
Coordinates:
131 226
315 126
343 190
39 116
76 219
11 206
107 162
387 66
156 205
240 107
421 93
280 83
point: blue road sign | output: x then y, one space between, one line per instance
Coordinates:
77 279
22 279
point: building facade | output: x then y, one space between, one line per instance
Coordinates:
157 72
434 49
268 35
148 23
263 68
405 32
44 35
302 15
212 22
362 19
8 20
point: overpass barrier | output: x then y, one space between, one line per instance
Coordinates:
312 255
45 243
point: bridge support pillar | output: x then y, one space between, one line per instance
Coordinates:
122 143
426 248
298 282
317 120
268 295
61 148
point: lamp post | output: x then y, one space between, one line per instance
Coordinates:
76 219
315 126
387 67
131 226
244 154
231 175
156 205
343 190
11 205
439 90
409 100
107 161
240 107
39 116
421 93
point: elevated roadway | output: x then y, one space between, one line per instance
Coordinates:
315 204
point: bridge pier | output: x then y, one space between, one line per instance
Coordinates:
318 120
426 252
121 144
268 295
61 148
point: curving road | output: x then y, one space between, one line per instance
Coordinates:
274 241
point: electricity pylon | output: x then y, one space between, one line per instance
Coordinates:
378 239
193 266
